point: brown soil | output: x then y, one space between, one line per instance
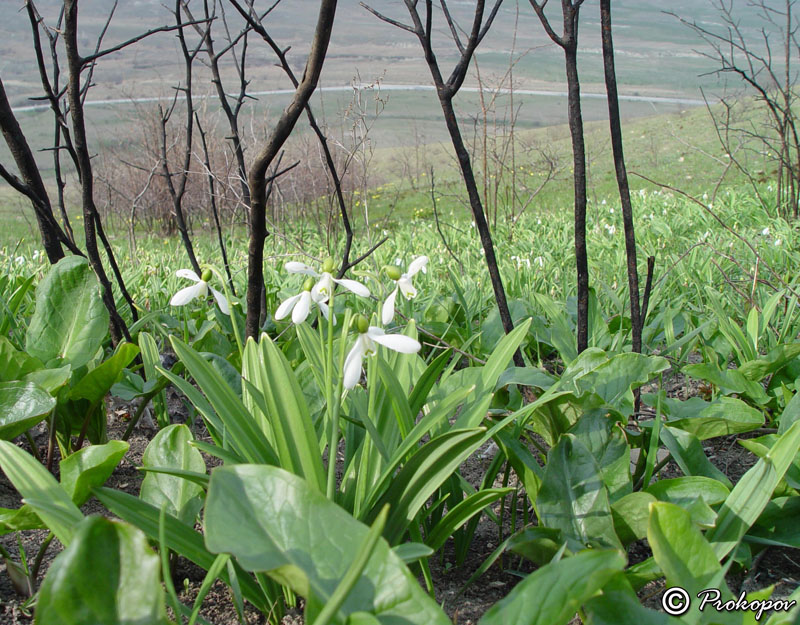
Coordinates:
465 605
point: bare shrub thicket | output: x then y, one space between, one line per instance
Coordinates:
761 117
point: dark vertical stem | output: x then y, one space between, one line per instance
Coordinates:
258 171
212 195
579 181
75 65
26 164
480 218
621 171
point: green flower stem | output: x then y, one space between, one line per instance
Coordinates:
229 297
332 404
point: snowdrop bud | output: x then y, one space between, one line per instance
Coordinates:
392 272
327 266
362 324
308 284
206 275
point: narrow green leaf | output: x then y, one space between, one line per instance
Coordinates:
752 493
40 491
461 513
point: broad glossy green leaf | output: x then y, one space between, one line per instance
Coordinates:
272 521
108 575
50 380
618 604
95 384
537 544
40 491
615 379
572 496
684 490
689 455
681 551
178 537
14 364
725 416
752 493
22 405
90 467
70 320
761 367
630 515
728 381
170 448
554 593
600 434
412 552
16 520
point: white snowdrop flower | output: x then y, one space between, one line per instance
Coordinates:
322 290
20 260
612 230
198 290
36 254
705 235
778 242
611 210
765 232
369 337
402 284
681 159
538 222
664 212
603 202
300 305
539 260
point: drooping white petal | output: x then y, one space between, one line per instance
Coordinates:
300 312
352 364
353 287
221 300
296 267
387 311
325 310
416 265
322 289
187 273
395 342
184 296
286 306
406 288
